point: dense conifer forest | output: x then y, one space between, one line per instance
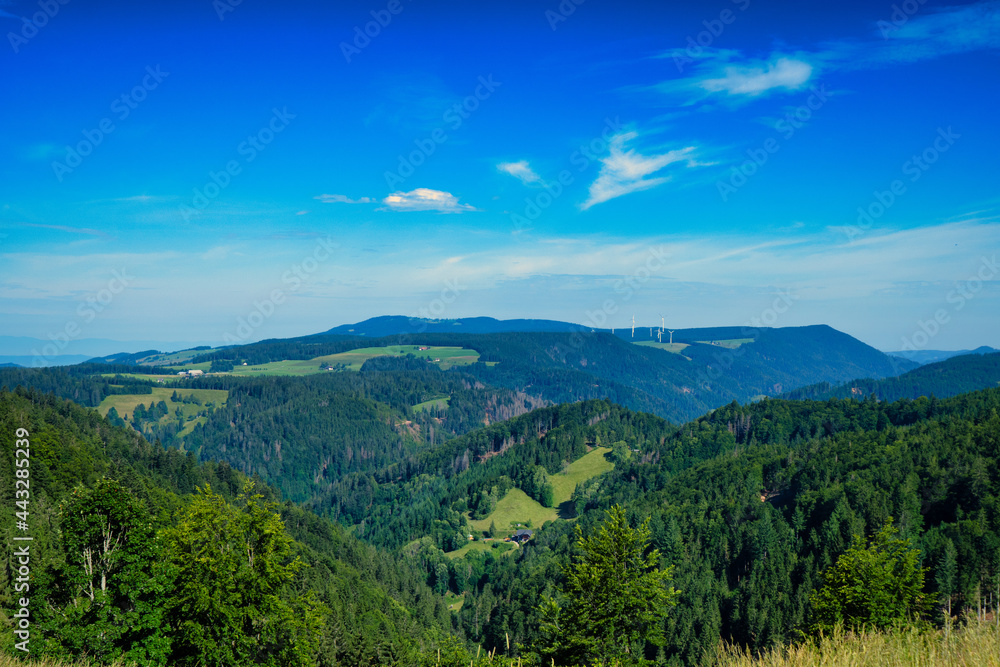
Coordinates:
361 510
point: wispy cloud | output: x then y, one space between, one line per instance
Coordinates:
741 79
343 199
425 199
86 231
755 79
931 33
521 171
624 171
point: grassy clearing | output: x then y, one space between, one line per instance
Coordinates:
172 377
587 466
444 357
478 545
454 602
433 404
125 403
516 507
978 645
731 343
676 348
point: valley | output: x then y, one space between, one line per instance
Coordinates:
407 448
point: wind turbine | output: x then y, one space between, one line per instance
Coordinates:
659 336
662 326
671 337
633 326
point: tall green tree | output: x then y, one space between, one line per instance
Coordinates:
878 585
231 605
106 598
614 600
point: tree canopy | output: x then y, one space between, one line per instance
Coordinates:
875 586
614 599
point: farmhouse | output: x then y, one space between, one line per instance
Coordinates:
196 372
521 536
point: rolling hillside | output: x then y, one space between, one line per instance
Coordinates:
955 375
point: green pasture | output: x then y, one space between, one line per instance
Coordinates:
731 343
589 465
125 403
669 347
433 404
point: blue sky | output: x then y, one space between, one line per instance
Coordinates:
216 172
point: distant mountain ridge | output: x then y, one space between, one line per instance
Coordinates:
931 356
942 379
392 325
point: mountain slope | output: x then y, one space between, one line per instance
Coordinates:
931 356
381 605
953 376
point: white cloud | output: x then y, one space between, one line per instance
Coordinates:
624 171
343 199
521 171
761 77
425 199
896 39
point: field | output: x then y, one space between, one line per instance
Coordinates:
518 508
433 404
444 357
587 466
172 359
731 343
669 347
480 545
125 404
138 376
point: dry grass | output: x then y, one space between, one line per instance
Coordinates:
975 646
9 661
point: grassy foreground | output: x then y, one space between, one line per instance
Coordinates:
977 645
9 661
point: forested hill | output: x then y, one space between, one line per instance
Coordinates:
932 356
348 602
781 489
953 376
392 325
678 384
